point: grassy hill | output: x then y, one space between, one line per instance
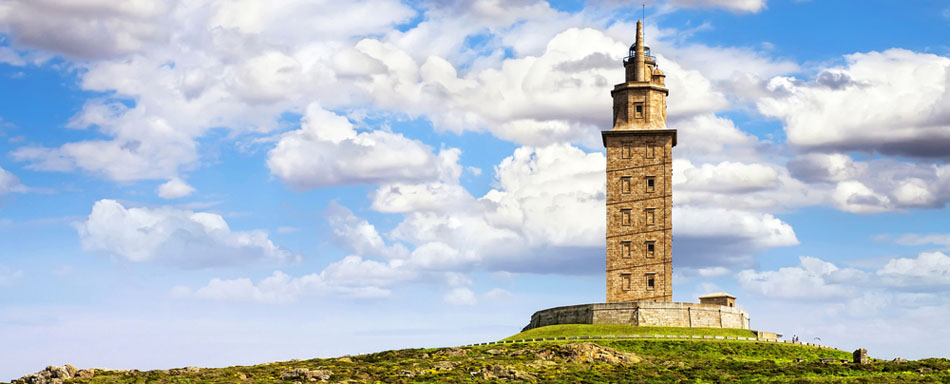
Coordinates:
569 361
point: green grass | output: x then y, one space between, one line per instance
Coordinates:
688 361
564 330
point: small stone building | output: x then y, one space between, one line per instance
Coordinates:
718 298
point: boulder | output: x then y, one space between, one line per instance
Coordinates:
498 372
588 353
55 375
306 374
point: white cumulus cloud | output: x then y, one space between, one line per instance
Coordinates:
893 102
172 236
813 278
174 189
327 150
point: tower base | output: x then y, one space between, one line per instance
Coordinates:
642 313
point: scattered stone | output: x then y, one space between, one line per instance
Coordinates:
588 353
899 360
541 364
495 351
827 360
185 370
496 372
799 360
860 356
57 374
306 374
444 365
456 352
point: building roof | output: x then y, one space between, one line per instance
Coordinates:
717 294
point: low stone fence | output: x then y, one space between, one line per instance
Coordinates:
661 314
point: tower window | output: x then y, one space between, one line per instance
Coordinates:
651 184
638 110
625 184
626 150
625 281
651 151
649 216
651 281
625 217
650 248
625 249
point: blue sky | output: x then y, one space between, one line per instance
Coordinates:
215 183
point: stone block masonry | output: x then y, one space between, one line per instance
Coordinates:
657 314
639 184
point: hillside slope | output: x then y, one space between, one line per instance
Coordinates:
601 360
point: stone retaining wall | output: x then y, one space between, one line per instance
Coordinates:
648 337
687 315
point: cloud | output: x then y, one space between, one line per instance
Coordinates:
497 294
928 269
87 29
280 288
9 276
239 66
9 182
460 296
11 57
892 102
812 279
819 167
718 237
926 274
750 6
172 236
916 239
174 189
327 150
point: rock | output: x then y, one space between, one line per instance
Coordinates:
860 356
899 360
541 364
306 374
496 372
451 352
444 365
799 360
55 375
180 371
495 351
589 353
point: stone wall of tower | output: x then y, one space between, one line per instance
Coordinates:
626 98
638 215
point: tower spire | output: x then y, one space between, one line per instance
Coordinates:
638 57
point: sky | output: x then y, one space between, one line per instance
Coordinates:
215 183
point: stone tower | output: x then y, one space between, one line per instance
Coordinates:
639 184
